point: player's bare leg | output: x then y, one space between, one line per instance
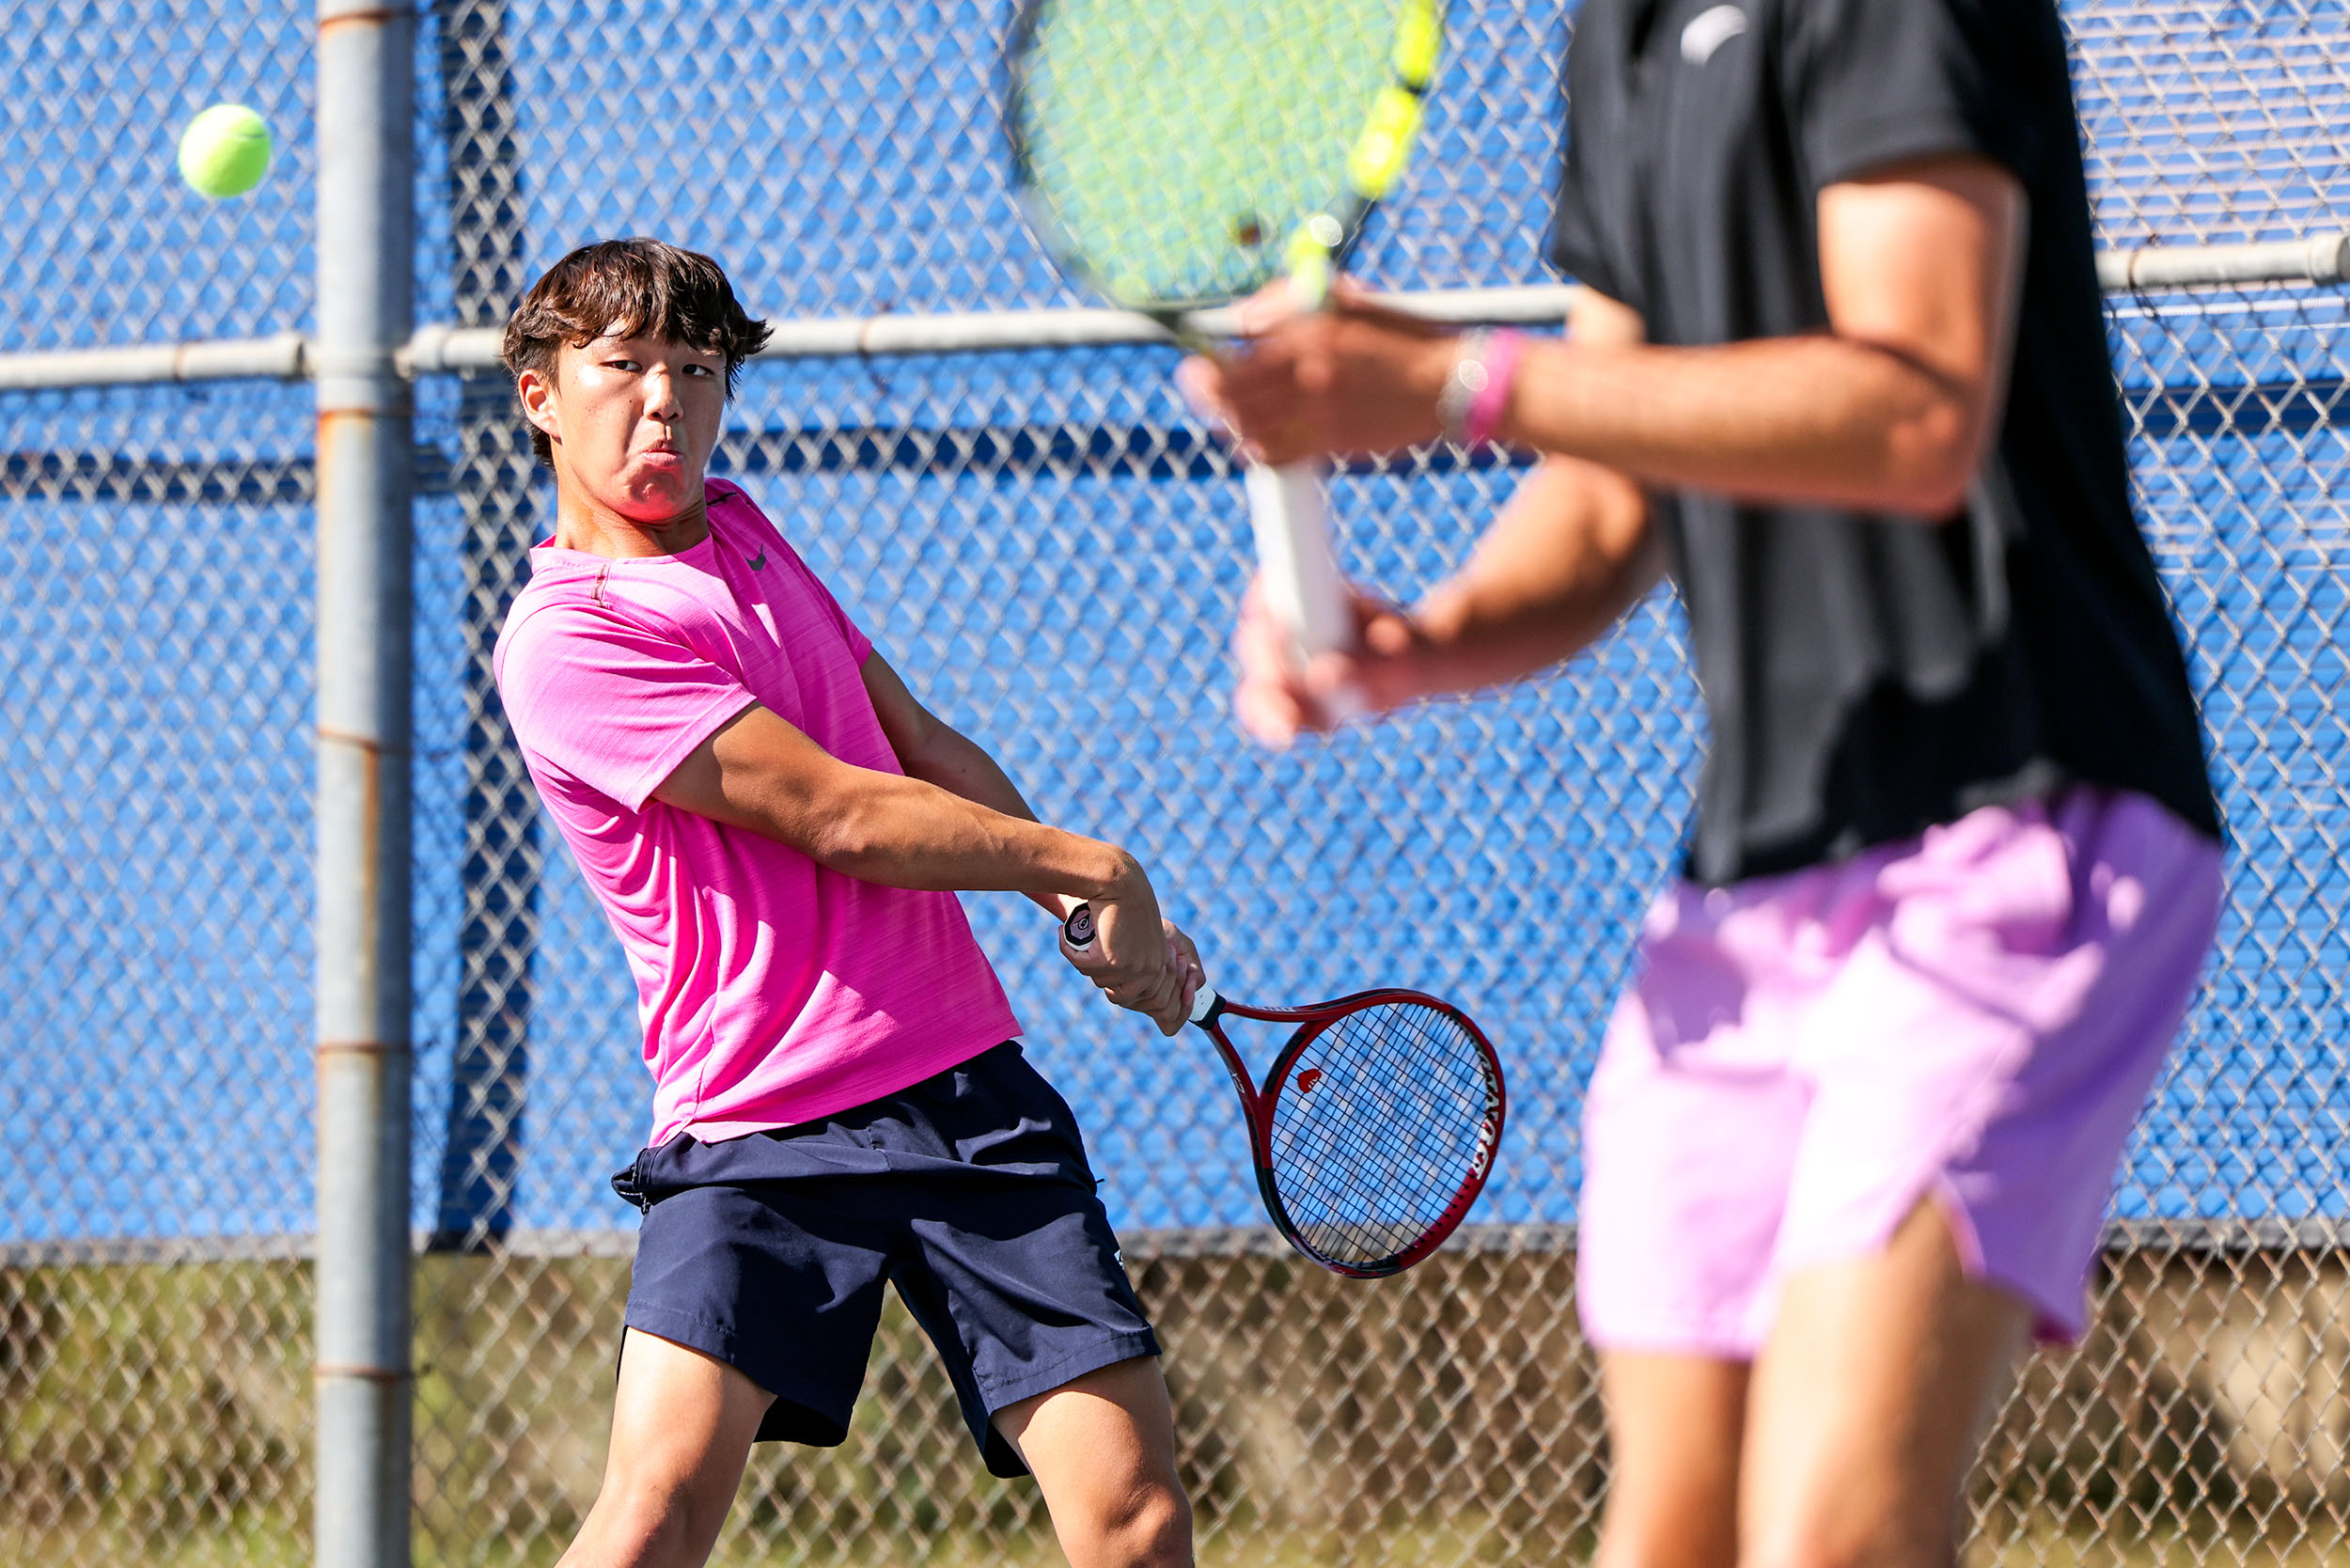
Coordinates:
681 1431
1102 1449
1869 1403
1675 1424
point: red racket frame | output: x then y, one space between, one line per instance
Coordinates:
1256 1109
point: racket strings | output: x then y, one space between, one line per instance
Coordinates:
1175 149
1381 1123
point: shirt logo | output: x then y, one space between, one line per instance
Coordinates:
759 562
1709 30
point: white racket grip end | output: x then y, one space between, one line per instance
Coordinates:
1302 584
1203 999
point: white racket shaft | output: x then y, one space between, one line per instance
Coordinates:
1298 569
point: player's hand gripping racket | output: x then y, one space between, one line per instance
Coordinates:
1376 1127
1175 157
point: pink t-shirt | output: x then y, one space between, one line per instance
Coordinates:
771 990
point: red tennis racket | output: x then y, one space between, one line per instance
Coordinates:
1375 1127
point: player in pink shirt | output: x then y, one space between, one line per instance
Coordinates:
777 830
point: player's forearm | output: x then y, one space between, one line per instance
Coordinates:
1818 419
912 833
1567 556
761 774
960 765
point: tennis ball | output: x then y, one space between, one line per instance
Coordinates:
224 151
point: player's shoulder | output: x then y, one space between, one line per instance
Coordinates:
570 606
731 507
542 612
558 579
733 511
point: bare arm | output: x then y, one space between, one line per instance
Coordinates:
761 774
938 753
1567 556
1891 408
934 751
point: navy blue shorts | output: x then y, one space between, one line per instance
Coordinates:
970 1191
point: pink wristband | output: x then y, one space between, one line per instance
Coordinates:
1501 352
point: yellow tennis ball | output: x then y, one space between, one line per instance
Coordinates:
224 151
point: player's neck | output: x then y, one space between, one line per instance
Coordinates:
582 523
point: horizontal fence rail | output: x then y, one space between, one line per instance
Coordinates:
442 348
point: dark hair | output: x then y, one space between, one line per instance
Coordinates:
625 288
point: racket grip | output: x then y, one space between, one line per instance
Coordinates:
1077 930
1303 586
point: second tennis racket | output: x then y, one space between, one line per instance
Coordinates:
1375 1127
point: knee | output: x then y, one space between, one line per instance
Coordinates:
1648 1541
1879 1543
641 1527
1153 1531
1692 1522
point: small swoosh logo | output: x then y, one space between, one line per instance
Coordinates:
1709 30
759 562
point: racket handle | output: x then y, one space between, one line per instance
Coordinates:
1077 930
1302 582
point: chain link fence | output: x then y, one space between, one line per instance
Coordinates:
1049 548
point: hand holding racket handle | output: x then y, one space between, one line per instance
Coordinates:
1079 929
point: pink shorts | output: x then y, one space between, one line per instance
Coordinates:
1974 1015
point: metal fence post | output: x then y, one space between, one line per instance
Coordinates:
365 67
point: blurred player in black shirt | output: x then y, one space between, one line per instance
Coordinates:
1840 371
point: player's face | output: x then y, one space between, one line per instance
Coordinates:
634 420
